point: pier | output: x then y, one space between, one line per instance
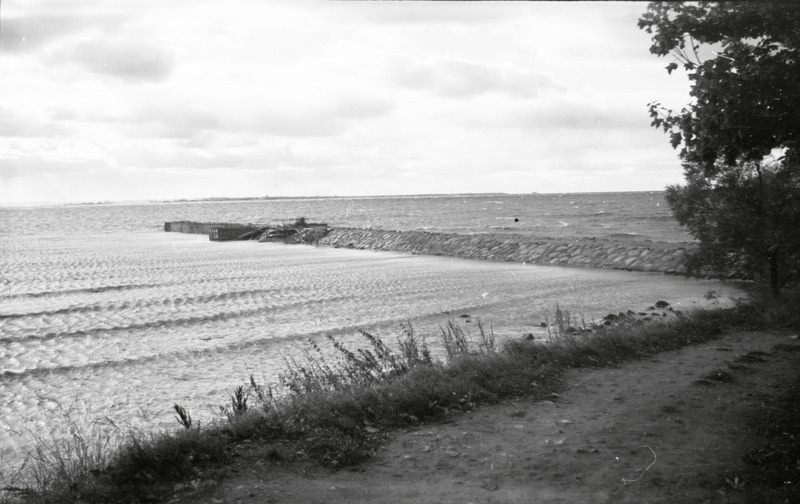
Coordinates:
298 232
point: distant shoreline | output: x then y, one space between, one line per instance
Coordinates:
223 199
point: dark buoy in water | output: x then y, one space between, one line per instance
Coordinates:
516 220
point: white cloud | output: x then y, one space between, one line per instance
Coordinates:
460 78
132 59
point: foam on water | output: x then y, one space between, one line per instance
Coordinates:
140 321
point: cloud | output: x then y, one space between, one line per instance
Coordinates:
112 38
317 118
416 14
362 106
16 124
176 120
31 31
33 165
577 115
29 157
127 59
159 155
552 113
278 113
460 78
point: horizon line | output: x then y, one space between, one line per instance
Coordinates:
222 199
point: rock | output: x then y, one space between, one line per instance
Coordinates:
527 336
661 304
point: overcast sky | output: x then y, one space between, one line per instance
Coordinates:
152 99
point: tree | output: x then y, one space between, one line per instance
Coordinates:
739 137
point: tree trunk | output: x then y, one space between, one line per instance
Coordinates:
773 270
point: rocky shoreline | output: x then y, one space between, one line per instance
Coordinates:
649 256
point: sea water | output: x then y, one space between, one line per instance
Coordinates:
100 308
635 215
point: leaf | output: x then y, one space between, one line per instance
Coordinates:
672 66
675 139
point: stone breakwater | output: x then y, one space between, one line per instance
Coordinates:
652 256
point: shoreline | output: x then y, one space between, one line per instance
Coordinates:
236 249
646 256
604 253
367 417
199 304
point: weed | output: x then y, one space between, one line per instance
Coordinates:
183 417
456 342
239 401
68 455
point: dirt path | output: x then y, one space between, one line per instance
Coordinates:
667 429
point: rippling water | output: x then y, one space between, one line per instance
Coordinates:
138 320
642 215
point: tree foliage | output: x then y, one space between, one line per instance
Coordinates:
745 101
739 137
746 222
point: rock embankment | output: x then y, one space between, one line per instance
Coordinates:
589 252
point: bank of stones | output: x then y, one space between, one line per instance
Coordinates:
653 256
663 257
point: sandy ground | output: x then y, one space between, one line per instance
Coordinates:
650 431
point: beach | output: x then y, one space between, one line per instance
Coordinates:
122 326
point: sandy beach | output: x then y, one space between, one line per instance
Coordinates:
122 326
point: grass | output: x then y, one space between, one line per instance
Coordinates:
773 469
336 408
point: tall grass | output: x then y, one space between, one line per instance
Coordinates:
68 454
335 407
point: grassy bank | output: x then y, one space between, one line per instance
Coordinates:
336 411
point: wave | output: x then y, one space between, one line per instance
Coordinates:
167 323
143 303
186 355
83 290
630 236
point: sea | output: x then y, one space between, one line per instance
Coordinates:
105 319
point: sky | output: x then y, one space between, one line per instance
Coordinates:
131 100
